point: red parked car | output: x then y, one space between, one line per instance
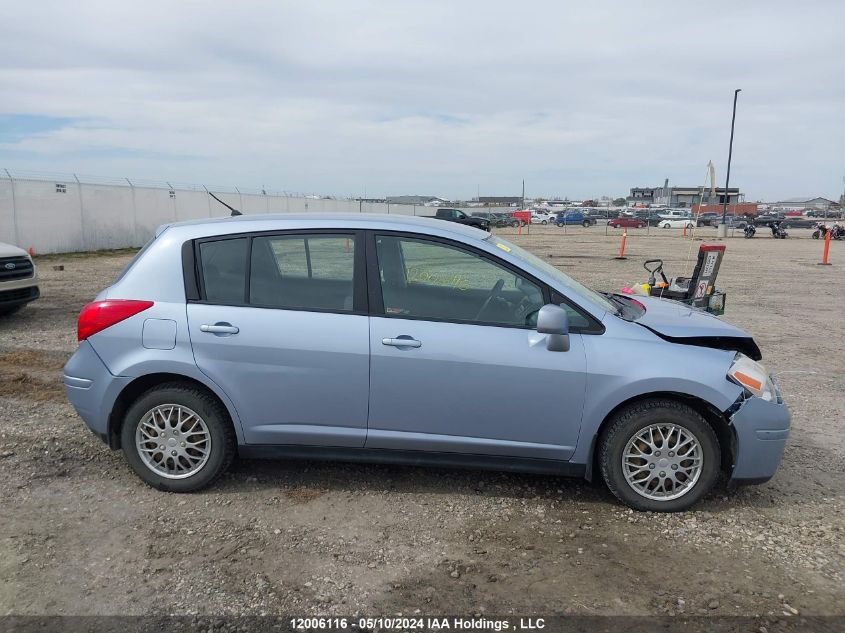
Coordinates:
626 221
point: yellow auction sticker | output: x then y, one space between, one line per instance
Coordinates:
503 247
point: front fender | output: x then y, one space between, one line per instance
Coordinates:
643 367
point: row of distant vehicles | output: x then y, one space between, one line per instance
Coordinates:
633 218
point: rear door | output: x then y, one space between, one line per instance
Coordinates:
281 326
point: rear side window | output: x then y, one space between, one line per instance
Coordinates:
303 271
224 270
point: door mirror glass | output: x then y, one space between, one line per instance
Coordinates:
554 321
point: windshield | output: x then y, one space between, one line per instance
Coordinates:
562 278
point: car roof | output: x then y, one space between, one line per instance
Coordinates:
280 221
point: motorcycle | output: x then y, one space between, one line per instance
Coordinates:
749 231
837 231
778 232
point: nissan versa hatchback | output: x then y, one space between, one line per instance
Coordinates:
405 340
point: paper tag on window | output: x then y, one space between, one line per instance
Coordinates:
503 247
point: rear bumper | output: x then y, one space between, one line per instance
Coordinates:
761 428
92 389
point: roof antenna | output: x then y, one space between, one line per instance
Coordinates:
234 211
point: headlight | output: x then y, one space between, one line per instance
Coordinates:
752 376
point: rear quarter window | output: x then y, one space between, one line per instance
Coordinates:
223 267
134 259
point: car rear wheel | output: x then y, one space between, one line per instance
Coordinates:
178 438
585 223
667 226
659 455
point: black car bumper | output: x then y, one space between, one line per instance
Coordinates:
18 296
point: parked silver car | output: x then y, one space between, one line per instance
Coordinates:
405 340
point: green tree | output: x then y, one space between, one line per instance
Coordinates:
619 202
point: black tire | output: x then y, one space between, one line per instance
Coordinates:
629 421
223 444
816 235
585 223
515 223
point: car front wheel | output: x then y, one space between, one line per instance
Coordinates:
659 455
178 438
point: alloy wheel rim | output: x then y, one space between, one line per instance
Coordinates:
173 441
662 462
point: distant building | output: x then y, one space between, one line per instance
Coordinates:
680 196
641 195
799 204
414 199
500 199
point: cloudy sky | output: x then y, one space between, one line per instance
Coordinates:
426 96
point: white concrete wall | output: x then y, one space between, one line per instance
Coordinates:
104 216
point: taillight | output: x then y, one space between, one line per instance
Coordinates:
99 315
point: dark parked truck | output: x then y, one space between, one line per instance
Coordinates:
456 215
574 217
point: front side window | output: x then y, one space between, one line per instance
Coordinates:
432 280
562 278
303 271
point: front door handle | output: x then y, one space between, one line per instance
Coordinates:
401 341
219 328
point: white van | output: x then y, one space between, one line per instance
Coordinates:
675 214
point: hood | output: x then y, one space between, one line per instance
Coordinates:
7 250
679 323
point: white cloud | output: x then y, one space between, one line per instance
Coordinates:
439 97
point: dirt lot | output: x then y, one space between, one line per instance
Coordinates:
80 534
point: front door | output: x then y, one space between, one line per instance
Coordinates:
282 331
456 364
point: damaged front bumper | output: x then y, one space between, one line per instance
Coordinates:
761 428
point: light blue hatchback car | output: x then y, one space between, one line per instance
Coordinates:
406 340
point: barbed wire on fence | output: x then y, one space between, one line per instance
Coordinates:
88 179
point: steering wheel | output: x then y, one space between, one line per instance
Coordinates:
494 292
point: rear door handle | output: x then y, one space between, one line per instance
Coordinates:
401 341
219 328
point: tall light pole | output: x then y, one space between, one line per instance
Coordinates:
723 229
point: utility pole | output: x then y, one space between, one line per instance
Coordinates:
523 193
723 228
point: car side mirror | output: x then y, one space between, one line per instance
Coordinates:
554 321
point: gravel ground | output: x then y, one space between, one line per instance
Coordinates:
80 534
